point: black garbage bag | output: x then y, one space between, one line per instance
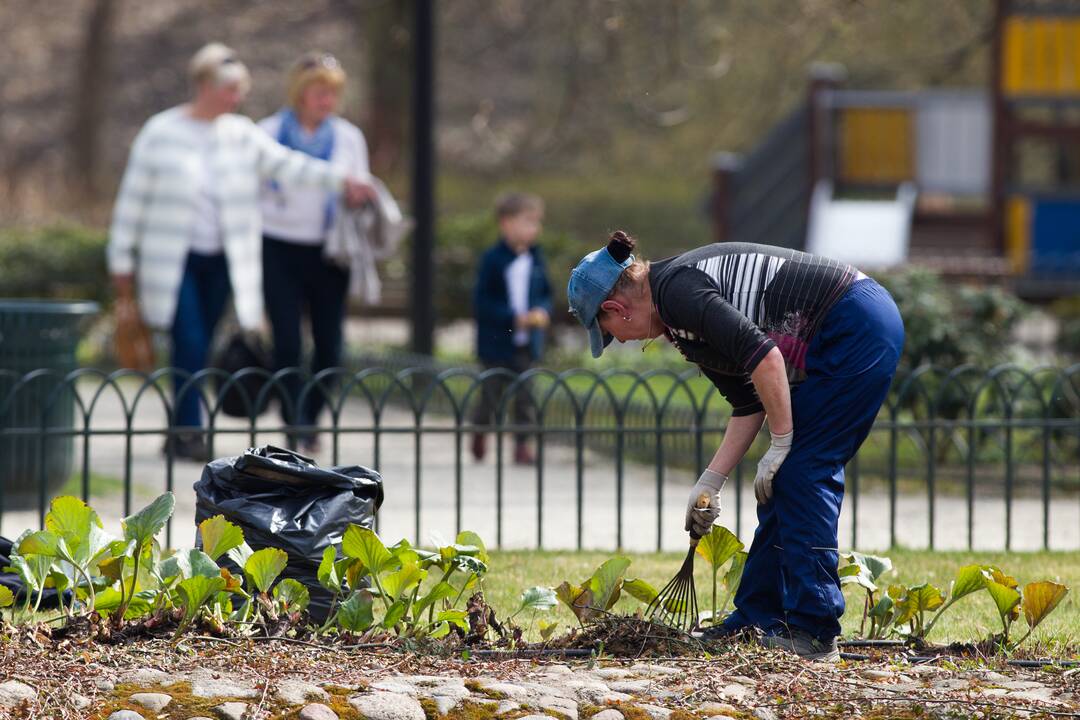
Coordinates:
242 397
49 599
284 500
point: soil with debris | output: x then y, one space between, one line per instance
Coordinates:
277 678
630 636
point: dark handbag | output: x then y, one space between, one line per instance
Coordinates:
242 396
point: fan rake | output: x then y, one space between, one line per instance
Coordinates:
676 604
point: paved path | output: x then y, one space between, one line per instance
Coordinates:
519 527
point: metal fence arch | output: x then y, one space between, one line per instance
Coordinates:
1002 432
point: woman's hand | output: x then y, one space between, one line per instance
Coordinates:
769 464
358 193
538 318
703 507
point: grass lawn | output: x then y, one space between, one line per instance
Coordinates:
971 619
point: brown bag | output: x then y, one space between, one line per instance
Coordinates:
134 345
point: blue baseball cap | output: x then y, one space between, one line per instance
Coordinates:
590 284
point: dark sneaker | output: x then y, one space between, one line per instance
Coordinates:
804 645
186 446
479 446
523 455
715 633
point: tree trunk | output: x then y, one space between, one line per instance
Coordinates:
387 28
90 100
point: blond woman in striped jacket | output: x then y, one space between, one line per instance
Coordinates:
186 229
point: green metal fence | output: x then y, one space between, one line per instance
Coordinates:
961 432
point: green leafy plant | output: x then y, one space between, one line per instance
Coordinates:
718 547
598 593
865 571
398 574
1002 589
7 599
140 529
969 579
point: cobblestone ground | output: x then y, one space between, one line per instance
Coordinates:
555 493
202 680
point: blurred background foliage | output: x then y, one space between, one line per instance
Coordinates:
609 109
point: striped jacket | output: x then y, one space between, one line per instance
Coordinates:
151 224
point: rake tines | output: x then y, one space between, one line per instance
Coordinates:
676 603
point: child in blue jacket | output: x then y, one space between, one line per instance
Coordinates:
512 302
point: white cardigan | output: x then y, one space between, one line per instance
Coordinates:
151 225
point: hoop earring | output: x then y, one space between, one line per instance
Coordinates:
626 318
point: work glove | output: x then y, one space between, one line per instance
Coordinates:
768 465
704 505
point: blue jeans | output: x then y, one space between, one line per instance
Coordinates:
790 579
297 278
204 290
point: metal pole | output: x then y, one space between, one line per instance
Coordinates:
423 196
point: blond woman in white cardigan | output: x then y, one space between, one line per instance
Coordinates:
186 227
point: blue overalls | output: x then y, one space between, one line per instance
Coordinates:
791 577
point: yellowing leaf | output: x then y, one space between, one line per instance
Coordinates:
969 579
995 574
577 598
219 536
733 576
1005 598
926 597
640 589
1040 599
6 597
547 629
606 582
292 594
264 566
403 580
718 546
364 545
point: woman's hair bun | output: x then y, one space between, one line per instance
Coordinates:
620 245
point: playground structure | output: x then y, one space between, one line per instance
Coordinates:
980 184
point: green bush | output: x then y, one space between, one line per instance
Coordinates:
462 239
61 261
1067 312
949 325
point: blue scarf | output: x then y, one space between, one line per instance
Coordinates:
319 144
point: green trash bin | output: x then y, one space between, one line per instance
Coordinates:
36 335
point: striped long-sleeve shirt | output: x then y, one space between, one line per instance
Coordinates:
151 226
727 305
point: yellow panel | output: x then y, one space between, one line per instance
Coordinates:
1072 55
1040 56
1056 56
1067 54
1013 51
876 145
1039 81
1018 233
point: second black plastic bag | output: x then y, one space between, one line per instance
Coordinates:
282 499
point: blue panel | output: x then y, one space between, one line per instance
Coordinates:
1055 242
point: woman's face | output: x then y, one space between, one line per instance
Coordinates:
221 98
629 318
318 101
